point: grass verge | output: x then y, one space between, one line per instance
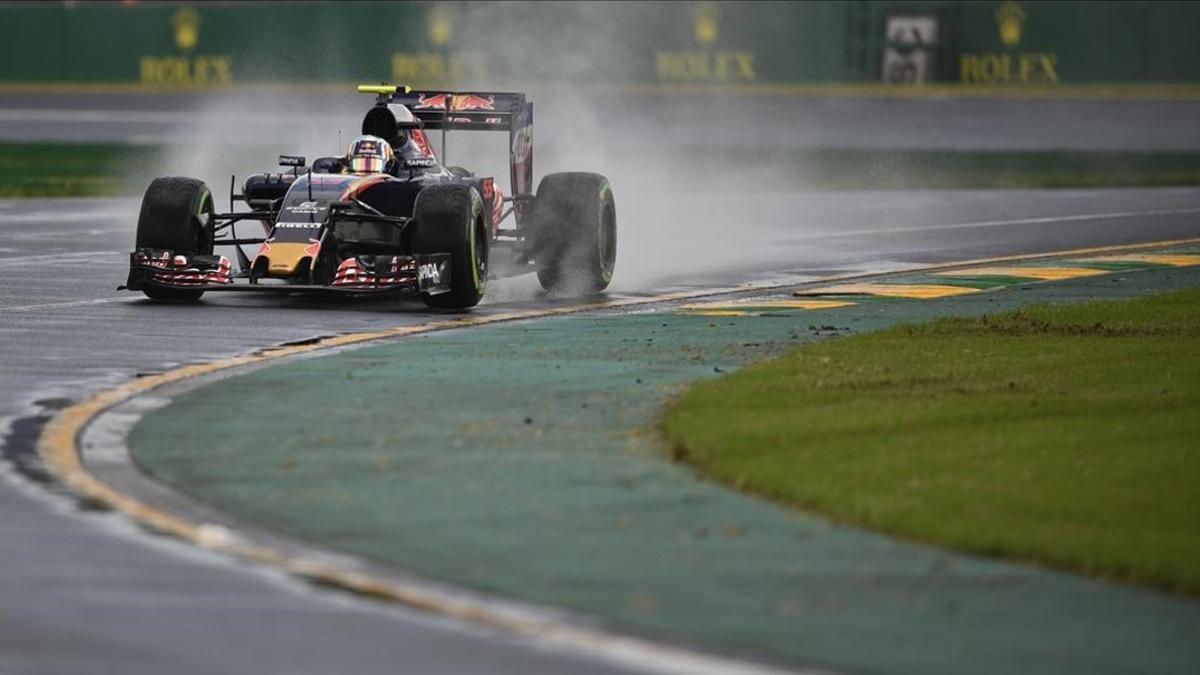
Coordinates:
1066 434
78 170
72 169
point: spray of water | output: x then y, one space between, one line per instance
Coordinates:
682 206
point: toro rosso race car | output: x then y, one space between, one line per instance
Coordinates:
386 217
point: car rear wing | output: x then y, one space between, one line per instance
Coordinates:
440 110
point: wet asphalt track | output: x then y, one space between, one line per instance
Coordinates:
82 591
741 121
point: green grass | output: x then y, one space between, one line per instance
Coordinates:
64 170
1063 435
72 170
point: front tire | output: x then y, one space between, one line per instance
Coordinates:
176 215
449 219
575 232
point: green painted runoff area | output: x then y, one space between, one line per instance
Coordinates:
521 459
1061 434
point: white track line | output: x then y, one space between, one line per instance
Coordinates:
16 261
73 303
1000 223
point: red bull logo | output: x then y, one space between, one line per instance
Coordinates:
433 101
473 102
456 102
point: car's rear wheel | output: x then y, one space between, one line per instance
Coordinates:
575 232
449 219
176 215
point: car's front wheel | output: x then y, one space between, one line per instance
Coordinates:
176 215
449 219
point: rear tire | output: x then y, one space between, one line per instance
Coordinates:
177 215
575 232
449 219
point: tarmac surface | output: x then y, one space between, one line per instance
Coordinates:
735 120
83 590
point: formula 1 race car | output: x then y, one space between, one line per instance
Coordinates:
386 217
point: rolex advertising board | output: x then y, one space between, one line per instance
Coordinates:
1007 43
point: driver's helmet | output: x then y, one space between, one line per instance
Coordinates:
369 154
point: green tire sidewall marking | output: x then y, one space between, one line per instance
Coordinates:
476 206
206 196
605 270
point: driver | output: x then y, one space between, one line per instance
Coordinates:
370 154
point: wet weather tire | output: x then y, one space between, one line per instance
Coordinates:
449 219
177 214
575 232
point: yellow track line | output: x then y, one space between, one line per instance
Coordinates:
1181 260
916 291
746 307
1043 273
57 448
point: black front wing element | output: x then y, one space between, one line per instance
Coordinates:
359 275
